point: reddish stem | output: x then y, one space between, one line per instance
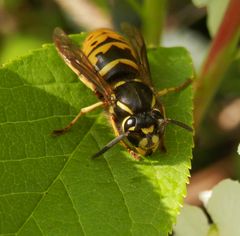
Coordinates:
226 32
220 56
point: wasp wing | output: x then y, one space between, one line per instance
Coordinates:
79 63
137 42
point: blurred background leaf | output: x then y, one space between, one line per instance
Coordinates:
219 218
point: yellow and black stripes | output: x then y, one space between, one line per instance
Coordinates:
101 37
110 54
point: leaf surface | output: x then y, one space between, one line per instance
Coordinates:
51 186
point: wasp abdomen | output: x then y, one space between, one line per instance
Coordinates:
110 54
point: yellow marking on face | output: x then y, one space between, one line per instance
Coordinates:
141 151
148 130
143 143
124 107
153 101
155 139
119 84
132 128
111 64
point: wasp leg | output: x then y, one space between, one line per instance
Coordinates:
82 112
135 155
175 89
162 146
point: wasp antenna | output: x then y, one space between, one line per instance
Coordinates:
110 144
180 124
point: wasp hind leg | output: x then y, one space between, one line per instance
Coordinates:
175 89
83 111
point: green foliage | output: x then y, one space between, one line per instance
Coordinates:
223 208
103 4
51 186
16 45
153 11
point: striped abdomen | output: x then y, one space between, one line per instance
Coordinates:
110 54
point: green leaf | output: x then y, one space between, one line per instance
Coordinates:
16 45
192 221
224 207
51 186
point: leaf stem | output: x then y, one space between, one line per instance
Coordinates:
153 21
221 54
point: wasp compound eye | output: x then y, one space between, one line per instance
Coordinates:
156 114
130 124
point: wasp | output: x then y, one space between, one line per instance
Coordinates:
116 69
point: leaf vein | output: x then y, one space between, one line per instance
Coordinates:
32 158
57 177
117 184
74 208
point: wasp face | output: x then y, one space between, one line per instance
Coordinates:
145 131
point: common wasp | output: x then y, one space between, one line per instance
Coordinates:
116 69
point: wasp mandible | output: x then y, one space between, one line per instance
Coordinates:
116 69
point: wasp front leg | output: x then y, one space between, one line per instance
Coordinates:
135 155
175 89
83 111
162 146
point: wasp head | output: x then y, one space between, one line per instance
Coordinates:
145 130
